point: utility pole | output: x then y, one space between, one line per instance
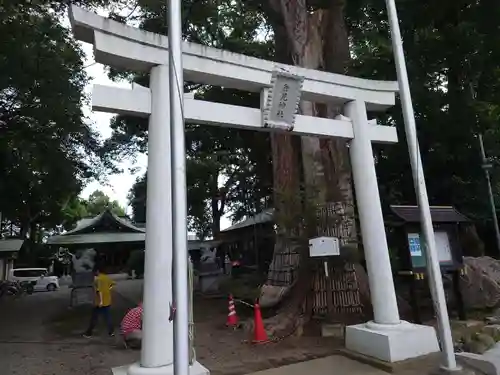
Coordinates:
433 267
486 165
179 191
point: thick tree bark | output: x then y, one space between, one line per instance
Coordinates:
320 41
335 153
286 186
316 40
216 216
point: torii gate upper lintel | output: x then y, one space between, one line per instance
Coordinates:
119 45
123 46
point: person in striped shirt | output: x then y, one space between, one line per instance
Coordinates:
131 327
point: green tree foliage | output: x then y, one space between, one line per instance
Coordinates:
48 150
47 147
224 171
137 199
226 168
98 202
453 59
73 211
57 6
452 56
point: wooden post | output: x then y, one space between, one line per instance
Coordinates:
330 308
414 300
458 296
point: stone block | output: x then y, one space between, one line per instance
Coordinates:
478 362
492 319
475 347
333 330
485 339
391 343
135 369
493 330
461 324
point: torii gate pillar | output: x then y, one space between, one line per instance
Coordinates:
387 337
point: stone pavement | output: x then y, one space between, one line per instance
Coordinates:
335 364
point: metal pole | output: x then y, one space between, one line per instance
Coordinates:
486 166
179 194
433 268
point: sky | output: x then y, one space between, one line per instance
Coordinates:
118 185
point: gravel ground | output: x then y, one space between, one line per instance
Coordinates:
40 335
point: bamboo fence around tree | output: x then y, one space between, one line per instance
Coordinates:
341 286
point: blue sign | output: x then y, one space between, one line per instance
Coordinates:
414 243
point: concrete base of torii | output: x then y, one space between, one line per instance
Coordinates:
135 369
391 342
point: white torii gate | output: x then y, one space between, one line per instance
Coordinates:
115 44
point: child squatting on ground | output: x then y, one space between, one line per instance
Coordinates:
131 327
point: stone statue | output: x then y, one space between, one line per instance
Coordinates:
82 277
83 260
210 272
208 255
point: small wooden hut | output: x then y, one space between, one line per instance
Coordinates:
250 241
9 248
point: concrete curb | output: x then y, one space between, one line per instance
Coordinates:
488 363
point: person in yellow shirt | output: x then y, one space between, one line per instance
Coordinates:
102 304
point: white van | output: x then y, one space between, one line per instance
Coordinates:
38 276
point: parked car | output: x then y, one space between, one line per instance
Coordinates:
39 277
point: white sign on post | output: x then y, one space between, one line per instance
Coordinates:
282 100
324 246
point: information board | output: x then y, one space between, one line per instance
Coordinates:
417 249
414 242
443 248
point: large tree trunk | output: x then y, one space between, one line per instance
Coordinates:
286 190
335 153
317 40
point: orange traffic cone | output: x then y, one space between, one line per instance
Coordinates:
232 317
259 333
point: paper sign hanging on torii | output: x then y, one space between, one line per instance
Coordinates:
283 100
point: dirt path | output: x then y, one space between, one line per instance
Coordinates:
39 335
228 352
34 341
